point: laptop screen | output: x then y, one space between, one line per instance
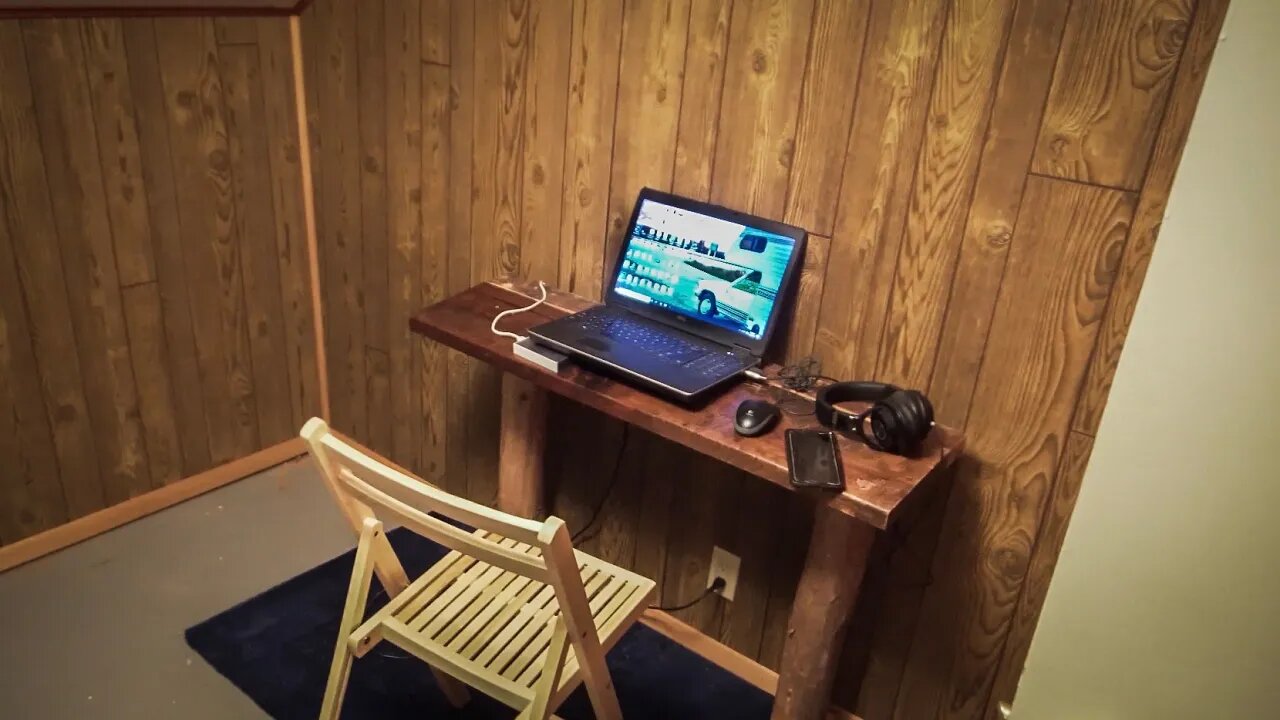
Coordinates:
707 268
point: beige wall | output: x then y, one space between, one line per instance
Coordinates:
1166 601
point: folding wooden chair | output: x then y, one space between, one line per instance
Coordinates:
499 612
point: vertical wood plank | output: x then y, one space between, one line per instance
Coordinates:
1165 156
965 82
1109 91
167 236
373 48
435 31
211 242
1061 266
247 143
802 325
758 526
893 92
149 353
339 206
648 108
64 112
434 383
546 101
404 223
593 86
703 84
113 108
31 487
766 64
793 542
826 113
235 30
1034 34
293 258
458 251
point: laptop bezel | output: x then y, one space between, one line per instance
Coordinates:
702 328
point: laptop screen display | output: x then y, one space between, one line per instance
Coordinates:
707 268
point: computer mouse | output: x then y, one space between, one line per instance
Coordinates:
754 417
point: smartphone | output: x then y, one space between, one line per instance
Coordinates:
813 458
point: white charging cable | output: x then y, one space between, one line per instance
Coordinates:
516 311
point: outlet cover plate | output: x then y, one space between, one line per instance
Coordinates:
726 565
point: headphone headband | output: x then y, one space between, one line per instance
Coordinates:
856 391
897 421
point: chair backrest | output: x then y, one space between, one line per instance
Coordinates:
363 485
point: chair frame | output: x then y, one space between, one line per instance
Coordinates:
540 551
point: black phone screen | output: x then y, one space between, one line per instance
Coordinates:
814 459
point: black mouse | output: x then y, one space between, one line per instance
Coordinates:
754 417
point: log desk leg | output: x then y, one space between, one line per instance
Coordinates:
520 448
829 583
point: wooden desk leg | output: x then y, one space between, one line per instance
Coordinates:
524 431
825 597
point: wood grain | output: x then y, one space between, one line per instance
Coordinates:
826 113
700 100
84 237
374 46
433 364
963 88
763 77
543 146
1034 34
1149 216
653 54
802 323
143 311
458 250
1109 91
171 273
893 92
435 31
1037 353
593 91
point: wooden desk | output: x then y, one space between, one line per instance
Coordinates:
878 485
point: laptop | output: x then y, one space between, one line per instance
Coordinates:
694 297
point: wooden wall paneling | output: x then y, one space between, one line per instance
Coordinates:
1165 156
373 49
404 223
654 35
158 178
963 89
236 29
1048 545
894 86
546 101
702 489
432 359
593 88
797 334
1021 92
826 113
31 491
765 70
198 142
754 536
60 87
293 258
700 99
107 65
1061 266
247 141
665 480
35 251
791 546
1112 82
458 250
340 212
435 31
150 355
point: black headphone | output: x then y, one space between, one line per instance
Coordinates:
900 419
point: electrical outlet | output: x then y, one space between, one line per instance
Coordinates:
724 564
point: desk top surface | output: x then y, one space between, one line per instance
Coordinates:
877 484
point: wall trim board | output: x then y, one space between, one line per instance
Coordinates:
722 655
89 526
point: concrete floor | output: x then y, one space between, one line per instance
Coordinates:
95 631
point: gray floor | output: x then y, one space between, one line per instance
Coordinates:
95 631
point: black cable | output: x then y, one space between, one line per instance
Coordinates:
716 586
613 482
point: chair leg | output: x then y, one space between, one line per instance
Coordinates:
352 614
557 651
454 691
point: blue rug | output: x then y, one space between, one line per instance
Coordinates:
276 647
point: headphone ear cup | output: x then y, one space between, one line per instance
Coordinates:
885 433
913 418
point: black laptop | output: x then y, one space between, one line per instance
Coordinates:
694 297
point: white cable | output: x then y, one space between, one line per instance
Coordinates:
515 311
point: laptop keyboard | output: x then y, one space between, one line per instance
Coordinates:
705 359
